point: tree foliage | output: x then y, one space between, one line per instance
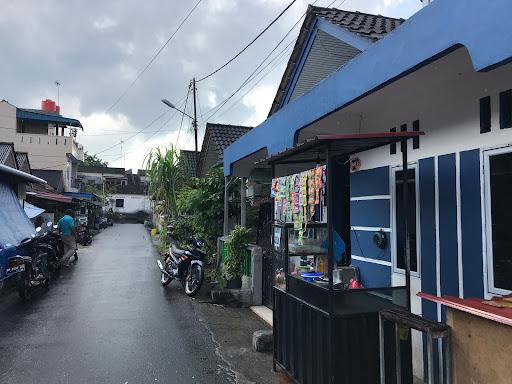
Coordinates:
166 177
202 203
237 243
94 161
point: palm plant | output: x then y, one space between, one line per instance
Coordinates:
165 177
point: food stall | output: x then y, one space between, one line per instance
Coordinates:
481 332
326 324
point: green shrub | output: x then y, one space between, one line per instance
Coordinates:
237 243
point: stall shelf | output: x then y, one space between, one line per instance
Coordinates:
323 331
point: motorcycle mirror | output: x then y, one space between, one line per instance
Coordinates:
55 226
38 229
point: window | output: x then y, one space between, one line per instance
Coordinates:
399 219
498 175
485 114
119 203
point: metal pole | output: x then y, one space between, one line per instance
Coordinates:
405 208
242 202
194 122
382 358
226 205
398 360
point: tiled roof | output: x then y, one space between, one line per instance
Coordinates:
223 135
190 159
7 155
374 27
23 162
54 178
219 137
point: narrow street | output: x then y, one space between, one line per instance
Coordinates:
108 320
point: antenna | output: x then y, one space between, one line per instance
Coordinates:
57 83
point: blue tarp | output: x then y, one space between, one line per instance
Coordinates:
31 210
14 222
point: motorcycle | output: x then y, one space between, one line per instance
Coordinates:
34 255
83 235
186 265
53 241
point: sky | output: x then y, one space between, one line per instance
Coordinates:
96 49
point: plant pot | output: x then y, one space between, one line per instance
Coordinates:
234 284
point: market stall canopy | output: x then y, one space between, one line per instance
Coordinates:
31 210
51 196
14 223
314 150
483 27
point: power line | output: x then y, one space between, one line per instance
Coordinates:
183 116
248 45
141 72
253 75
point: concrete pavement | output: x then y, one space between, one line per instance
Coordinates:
108 320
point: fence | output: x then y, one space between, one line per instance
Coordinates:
224 254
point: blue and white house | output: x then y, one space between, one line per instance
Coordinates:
446 71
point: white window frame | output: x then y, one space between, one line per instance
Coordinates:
487 154
392 178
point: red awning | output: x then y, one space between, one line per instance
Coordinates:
51 196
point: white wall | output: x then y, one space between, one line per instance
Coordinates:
132 203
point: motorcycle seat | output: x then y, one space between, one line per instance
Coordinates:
177 251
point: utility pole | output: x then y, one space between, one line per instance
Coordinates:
194 122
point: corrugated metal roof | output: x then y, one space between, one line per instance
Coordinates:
45 116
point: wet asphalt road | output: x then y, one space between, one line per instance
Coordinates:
107 320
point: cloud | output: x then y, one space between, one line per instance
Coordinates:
98 57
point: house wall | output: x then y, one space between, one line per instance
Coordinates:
132 203
449 179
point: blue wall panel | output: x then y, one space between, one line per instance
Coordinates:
362 245
471 223
448 225
373 275
370 213
428 234
370 182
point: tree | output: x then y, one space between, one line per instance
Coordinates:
166 177
94 161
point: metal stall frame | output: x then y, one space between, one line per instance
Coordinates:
334 147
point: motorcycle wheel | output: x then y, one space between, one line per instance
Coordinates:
24 288
165 280
193 280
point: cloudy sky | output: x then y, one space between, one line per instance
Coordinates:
97 48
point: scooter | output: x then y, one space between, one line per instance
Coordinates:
186 265
52 239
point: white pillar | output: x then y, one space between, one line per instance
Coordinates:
242 202
226 205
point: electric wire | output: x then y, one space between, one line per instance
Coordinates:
253 75
248 45
182 117
141 72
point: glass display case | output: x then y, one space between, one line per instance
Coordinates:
302 256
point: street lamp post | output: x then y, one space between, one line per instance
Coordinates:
194 118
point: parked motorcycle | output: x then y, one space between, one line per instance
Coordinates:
83 235
186 265
35 264
52 239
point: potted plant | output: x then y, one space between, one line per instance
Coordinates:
237 243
